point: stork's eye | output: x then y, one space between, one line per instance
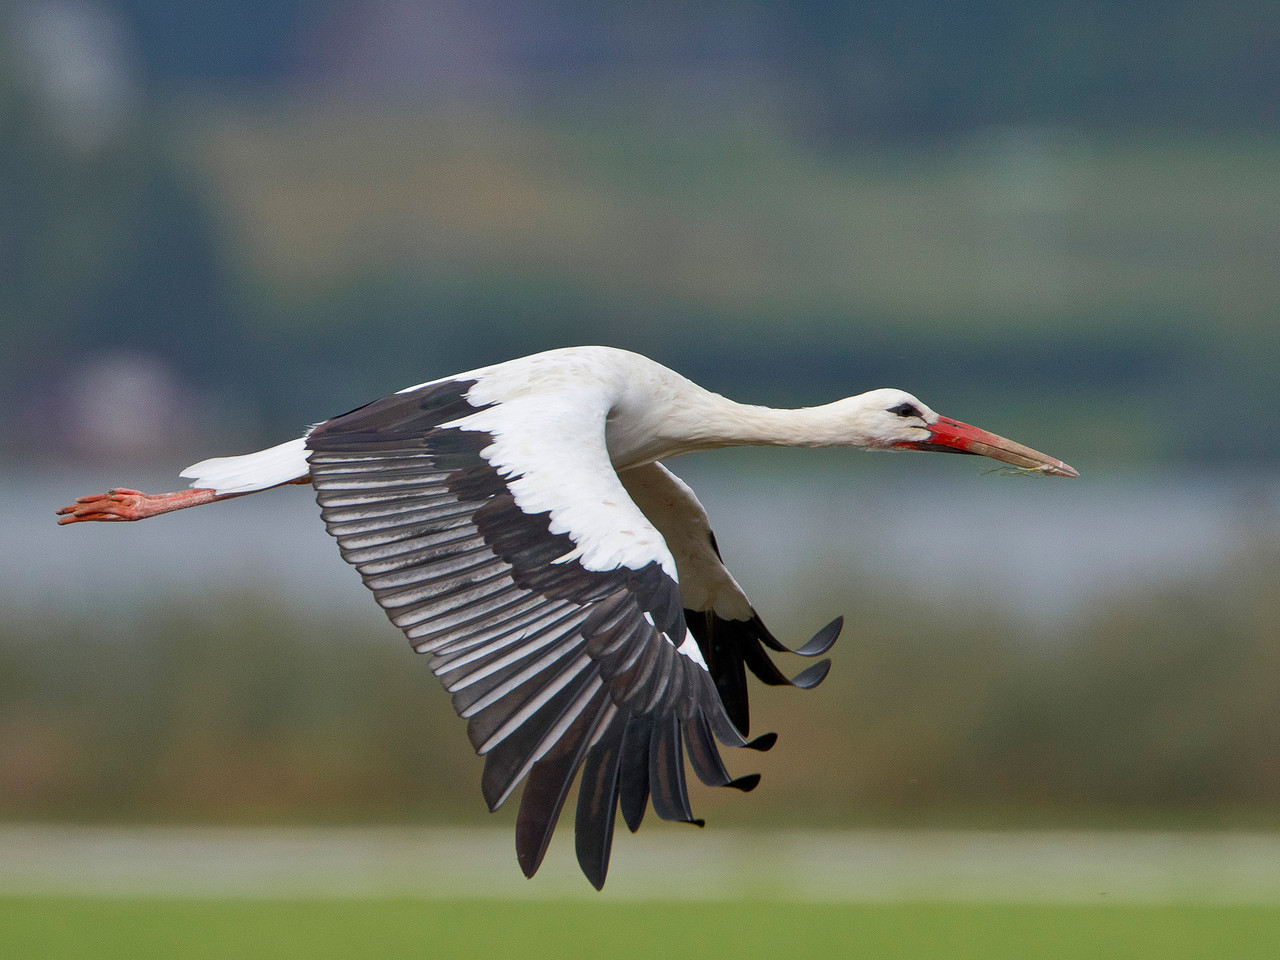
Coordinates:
905 409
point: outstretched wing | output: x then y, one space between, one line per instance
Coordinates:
547 602
729 632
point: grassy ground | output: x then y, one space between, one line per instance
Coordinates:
103 893
58 927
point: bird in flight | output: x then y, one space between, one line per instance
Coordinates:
517 523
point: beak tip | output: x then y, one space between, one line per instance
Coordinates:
960 437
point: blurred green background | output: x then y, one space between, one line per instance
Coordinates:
224 222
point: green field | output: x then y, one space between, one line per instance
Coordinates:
190 892
57 927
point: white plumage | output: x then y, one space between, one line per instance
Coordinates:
252 471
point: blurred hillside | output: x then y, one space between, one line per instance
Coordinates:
1158 708
233 221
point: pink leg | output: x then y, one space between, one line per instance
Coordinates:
122 503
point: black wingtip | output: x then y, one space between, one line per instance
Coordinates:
598 790
633 773
532 839
745 784
594 868
633 815
529 860
810 677
823 640
762 743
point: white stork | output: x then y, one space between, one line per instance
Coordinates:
516 523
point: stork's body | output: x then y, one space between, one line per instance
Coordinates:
516 523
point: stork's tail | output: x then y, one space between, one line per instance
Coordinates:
283 463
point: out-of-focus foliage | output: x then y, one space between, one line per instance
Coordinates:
223 708
875 70
1159 707
104 249
294 208
1030 269
1161 703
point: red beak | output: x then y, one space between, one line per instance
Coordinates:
952 436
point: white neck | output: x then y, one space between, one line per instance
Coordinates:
702 420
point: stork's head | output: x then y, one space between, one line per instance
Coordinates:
894 420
